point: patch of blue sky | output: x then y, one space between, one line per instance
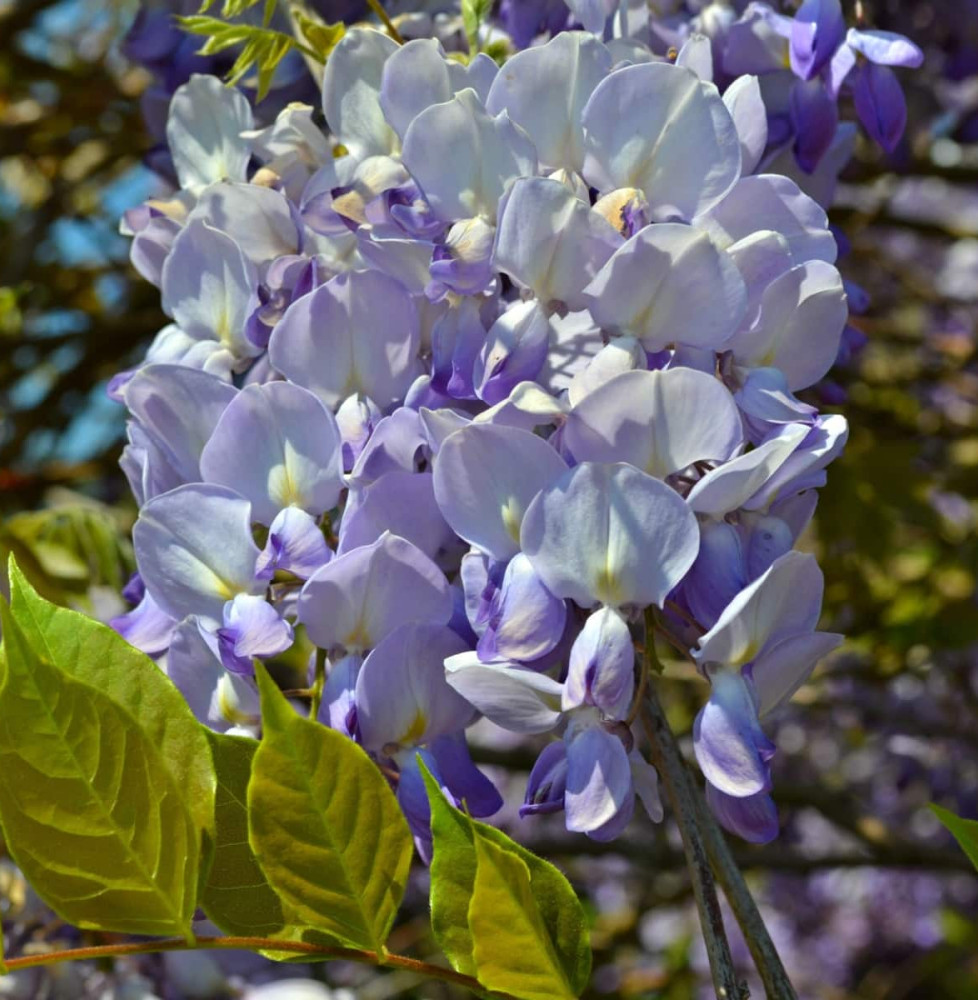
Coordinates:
97 427
31 389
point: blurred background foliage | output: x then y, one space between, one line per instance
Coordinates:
867 896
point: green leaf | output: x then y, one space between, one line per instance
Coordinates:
512 947
262 49
474 12
268 60
965 831
452 877
561 946
70 547
91 812
93 653
322 38
326 828
235 8
236 896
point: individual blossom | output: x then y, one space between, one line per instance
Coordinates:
761 650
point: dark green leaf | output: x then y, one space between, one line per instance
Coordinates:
325 826
91 812
237 896
965 831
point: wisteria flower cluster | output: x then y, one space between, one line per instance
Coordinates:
460 387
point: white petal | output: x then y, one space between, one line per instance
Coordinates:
658 128
521 701
357 333
552 242
769 201
351 92
463 159
609 534
746 106
802 316
278 446
732 484
660 422
195 551
204 129
485 478
415 76
208 288
544 89
784 601
669 284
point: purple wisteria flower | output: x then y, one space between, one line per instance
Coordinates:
460 386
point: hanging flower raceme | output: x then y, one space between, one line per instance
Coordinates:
458 388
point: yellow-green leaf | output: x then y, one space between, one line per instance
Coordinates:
511 947
325 826
452 878
455 873
474 12
91 812
93 653
322 38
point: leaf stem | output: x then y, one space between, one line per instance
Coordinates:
378 9
681 794
337 952
316 692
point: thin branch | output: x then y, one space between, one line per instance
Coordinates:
777 985
769 858
687 802
256 944
672 769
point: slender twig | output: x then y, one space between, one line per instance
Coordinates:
679 790
377 8
643 681
681 612
256 944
